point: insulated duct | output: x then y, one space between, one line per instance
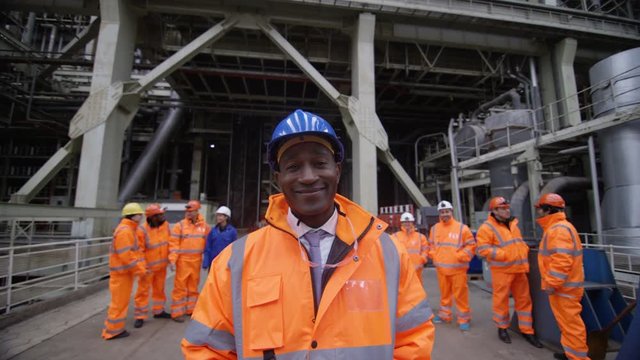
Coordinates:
616 86
150 154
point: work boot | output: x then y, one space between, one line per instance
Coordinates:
533 340
436 320
138 324
179 319
162 315
504 336
560 356
464 327
123 334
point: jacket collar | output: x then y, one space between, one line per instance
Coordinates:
349 214
551 219
129 223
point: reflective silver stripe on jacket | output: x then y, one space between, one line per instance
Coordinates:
417 316
362 352
199 334
121 250
509 263
450 266
152 263
392 278
155 246
235 264
124 267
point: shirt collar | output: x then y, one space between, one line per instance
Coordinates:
301 228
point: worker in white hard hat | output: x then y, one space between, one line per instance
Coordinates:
413 241
220 236
452 246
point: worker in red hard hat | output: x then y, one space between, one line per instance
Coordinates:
154 235
186 245
562 274
321 280
500 243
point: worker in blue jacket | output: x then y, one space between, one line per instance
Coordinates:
220 236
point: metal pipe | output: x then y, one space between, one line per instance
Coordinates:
559 183
52 40
596 189
455 186
173 180
509 95
154 148
535 94
27 35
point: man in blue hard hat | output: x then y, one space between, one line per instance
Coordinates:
321 271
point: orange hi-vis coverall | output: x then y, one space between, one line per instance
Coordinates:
502 246
562 274
155 245
417 247
259 299
125 263
452 246
186 246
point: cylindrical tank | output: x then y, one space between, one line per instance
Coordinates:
616 82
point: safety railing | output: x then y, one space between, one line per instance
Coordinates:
32 273
624 262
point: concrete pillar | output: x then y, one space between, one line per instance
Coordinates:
196 168
564 54
99 171
548 93
365 176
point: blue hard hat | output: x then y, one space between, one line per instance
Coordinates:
302 122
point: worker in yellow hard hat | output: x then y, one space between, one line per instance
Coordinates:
125 263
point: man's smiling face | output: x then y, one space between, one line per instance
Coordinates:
308 176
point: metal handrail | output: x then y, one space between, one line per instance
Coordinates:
52 278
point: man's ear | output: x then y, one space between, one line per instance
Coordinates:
339 169
276 178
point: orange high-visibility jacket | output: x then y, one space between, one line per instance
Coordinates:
560 255
416 245
124 252
155 245
451 246
503 246
259 296
188 238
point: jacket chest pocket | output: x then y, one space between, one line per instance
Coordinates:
265 328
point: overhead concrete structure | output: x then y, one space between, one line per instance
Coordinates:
383 72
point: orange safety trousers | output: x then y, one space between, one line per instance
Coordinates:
518 285
154 282
573 335
454 287
120 285
185 286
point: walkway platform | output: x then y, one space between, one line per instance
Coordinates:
73 332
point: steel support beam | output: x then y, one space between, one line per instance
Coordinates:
548 93
100 160
196 168
42 177
31 211
569 107
364 165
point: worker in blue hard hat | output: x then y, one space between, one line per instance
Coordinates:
322 270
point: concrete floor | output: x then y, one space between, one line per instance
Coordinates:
71 333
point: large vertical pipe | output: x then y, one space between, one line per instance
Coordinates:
154 148
455 186
596 190
27 35
616 86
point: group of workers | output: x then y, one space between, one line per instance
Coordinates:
451 246
144 251
323 278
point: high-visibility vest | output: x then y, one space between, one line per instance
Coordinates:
451 246
416 245
124 251
258 299
560 256
155 244
503 246
188 239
